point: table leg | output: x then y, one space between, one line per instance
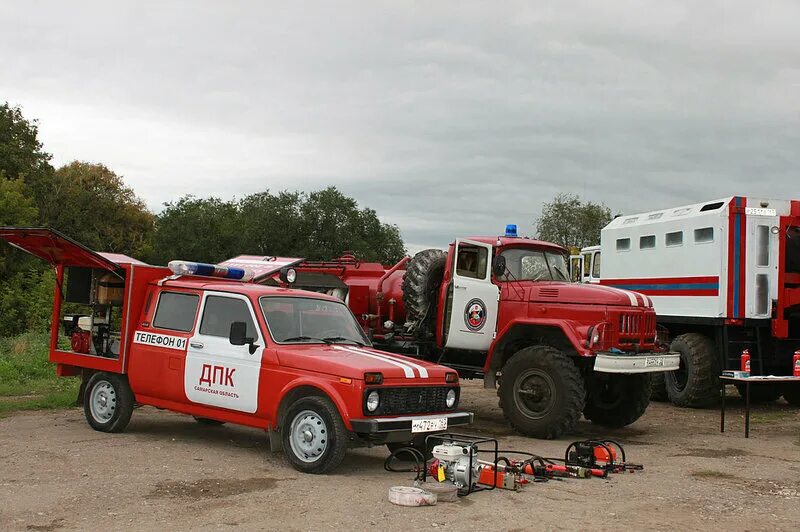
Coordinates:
747 410
722 409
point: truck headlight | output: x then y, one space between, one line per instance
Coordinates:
373 400
450 400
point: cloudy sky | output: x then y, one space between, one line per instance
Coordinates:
448 118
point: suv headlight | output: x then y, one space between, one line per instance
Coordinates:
373 400
450 400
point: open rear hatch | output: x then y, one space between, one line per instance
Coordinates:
59 249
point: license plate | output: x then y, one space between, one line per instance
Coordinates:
649 362
428 425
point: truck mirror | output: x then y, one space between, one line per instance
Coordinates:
499 266
238 334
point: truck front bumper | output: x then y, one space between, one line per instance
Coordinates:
639 363
384 425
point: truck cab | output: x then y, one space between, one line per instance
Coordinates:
585 266
200 340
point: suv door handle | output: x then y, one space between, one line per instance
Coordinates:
196 345
459 287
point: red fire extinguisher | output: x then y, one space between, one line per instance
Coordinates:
796 363
746 360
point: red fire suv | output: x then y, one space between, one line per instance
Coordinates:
200 340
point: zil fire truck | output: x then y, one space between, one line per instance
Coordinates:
502 308
724 277
197 339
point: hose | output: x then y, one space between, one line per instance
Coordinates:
416 454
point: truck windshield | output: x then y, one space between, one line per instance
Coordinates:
534 265
299 320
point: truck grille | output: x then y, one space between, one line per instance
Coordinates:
637 327
410 400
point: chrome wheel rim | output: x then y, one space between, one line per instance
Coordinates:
308 436
103 402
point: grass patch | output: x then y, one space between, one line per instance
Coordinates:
28 380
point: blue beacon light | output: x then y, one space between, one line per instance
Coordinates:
511 230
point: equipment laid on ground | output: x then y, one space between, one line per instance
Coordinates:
724 278
198 339
504 304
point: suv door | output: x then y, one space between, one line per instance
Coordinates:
473 315
217 372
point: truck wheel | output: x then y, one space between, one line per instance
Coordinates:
696 383
423 276
541 392
314 435
658 389
108 402
208 421
791 392
617 400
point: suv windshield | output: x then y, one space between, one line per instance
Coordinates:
534 265
299 320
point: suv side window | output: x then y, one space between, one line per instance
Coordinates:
221 311
176 311
471 262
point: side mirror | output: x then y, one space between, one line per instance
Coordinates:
499 266
238 335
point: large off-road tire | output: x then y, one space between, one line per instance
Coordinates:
617 400
314 436
424 273
791 392
541 392
696 383
658 389
760 393
108 402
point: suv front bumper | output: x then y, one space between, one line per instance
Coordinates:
639 363
384 425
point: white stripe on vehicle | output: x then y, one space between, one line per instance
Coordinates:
409 373
421 369
632 297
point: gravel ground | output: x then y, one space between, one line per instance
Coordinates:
168 471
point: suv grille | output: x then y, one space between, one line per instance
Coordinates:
410 400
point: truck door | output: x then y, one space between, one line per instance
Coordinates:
761 265
576 268
218 373
594 272
473 317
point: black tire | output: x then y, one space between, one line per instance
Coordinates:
658 389
553 393
617 400
108 402
760 393
696 383
208 421
791 392
330 435
424 273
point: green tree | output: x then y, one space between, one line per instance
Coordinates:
568 221
21 153
92 204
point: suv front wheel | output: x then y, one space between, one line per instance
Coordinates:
314 436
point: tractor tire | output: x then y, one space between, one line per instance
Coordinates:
541 392
696 383
424 273
760 393
791 392
658 389
617 400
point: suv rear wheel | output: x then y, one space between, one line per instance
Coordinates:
108 402
314 436
541 392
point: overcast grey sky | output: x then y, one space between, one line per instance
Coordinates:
448 118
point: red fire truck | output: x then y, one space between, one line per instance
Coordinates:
196 339
502 308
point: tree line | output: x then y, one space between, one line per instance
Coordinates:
90 203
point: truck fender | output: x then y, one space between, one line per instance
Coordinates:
494 358
294 390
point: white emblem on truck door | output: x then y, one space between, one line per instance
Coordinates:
218 373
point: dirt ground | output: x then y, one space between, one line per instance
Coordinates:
168 471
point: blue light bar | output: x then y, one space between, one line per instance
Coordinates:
182 267
511 230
